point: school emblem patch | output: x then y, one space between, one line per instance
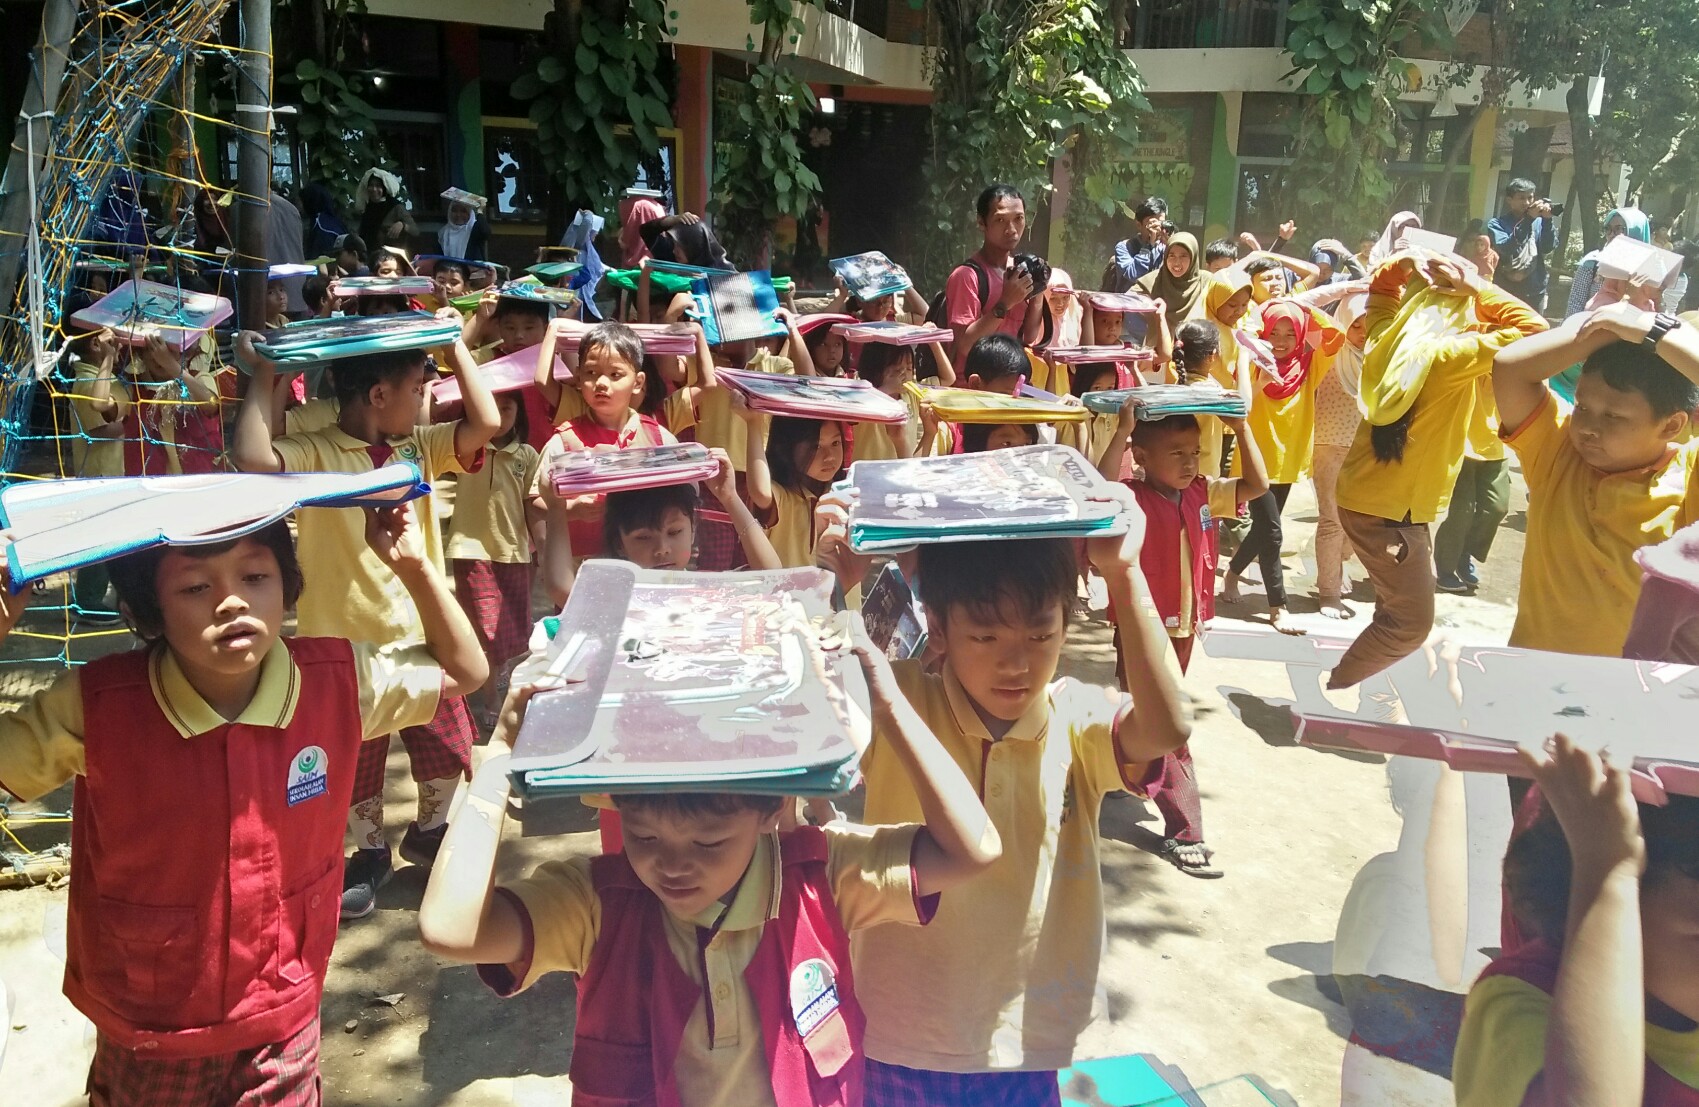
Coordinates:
814 995
1204 517
408 451
309 775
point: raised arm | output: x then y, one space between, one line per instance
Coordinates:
252 450
753 536
393 534
796 347
941 362
1679 348
1109 465
548 386
1254 482
758 479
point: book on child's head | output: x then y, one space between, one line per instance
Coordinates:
894 334
136 311
599 471
871 275
554 270
461 196
678 681
1158 401
534 291
59 525
659 339
841 399
314 340
734 307
1629 259
344 287
967 405
1128 303
1432 242
503 374
1083 355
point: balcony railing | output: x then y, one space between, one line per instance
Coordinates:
1205 24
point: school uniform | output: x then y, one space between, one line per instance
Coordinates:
715 424
1481 497
350 594
316 414
585 433
489 546
1006 976
747 1004
198 931
789 524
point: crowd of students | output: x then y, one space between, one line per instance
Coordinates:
946 949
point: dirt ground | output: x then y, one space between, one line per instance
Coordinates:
1214 978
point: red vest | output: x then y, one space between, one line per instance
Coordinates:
1160 555
634 999
204 899
1536 963
584 433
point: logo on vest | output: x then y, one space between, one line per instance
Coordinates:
814 995
1204 517
309 775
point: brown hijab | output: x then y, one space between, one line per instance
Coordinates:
1180 294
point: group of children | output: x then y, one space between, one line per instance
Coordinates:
727 954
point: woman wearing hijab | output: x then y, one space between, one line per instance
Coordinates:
1282 421
464 233
1389 241
1337 419
1179 281
384 219
1226 302
685 240
1621 221
322 223
634 213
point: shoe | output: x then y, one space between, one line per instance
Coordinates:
1451 585
1466 572
102 619
421 846
363 874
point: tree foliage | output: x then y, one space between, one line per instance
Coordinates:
332 77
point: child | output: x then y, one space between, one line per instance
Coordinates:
1091 437
697 944
1603 1006
977 438
1604 480
165 404
987 1003
96 451
1479 500
827 349
516 324
997 363
1198 360
489 543
349 593
1182 505
199 928
349 259
888 367
453 279
1223 253
1337 419
790 465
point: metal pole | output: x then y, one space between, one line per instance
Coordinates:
253 162
42 363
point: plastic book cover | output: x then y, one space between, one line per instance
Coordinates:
734 307
714 680
966 405
351 335
1080 355
848 399
871 275
659 339
894 619
895 334
65 524
554 270
1033 491
136 311
382 286
461 196
1158 401
680 269
503 374
1130 303
529 289
1628 259
670 283
596 472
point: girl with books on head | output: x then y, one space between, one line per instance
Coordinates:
789 466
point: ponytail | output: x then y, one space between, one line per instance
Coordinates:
1194 344
1388 441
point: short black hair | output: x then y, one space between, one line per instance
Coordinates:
1630 367
1147 431
1034 575
644 509
464 270
877 359
1083 376
513 305
1537 864
355 377
617 339
313 292
351 244
1149 206
976 437
992 194
1519 185
994 357
1195 343
135 576
1263 265
1221 249
700 803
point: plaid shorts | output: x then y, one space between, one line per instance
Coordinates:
441 748
496 597
896 1086
281 1074
717 545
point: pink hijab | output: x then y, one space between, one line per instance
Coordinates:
635 211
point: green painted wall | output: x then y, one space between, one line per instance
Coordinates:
1223 177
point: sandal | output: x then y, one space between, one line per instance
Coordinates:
1191 858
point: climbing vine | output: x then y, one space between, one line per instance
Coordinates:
333 118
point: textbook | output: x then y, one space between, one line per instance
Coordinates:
894 334
461 196
382 286
58 525
597 472
1415 238
659 339
554 270
136 311
1158 401
313 340
845 399
679 681
895 622
1080 355
1128 303
533 291
503 374
966 405
871 275
1629 259
1024 492
733 307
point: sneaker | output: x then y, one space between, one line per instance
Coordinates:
363 874
1466 572
1451 585
421 846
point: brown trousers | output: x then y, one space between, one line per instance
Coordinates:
1400 560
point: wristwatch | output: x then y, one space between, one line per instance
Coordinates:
1001 310
1661 325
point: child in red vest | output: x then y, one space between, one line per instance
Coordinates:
199 929
1181 508
1603 1006
714 952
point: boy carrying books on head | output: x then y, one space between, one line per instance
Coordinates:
349 593
988 1002
214 767
714 952
503 325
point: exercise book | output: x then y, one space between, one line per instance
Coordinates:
871 275
1158 401
503 374
894 334
598 472
313 340
136 311
967 405
844 399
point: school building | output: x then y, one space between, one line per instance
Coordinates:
1221 126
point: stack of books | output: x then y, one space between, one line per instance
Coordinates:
1128 303
659 339
1081 355
966 405
136 311
841 399
345 287
1159 401
871 275
894 334
315 340
598 472
503 374
734 307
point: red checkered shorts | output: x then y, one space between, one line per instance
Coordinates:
441 748
896 1086
717 545
280 1074
496 597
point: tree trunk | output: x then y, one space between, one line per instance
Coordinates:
1586 176
1453 156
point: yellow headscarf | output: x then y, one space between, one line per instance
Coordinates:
1402 346
1221 287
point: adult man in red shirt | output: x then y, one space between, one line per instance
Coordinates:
979 296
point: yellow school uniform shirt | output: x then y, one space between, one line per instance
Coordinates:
489 507
350 593
1484 443
1006 975
1501 1046
872 882
1579 578
41 743
93 457
1285 430
792 528
314 415
873 441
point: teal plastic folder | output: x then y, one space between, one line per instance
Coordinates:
1159 401
315 340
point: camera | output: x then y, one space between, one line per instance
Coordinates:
1169 226
1556 208
1034 267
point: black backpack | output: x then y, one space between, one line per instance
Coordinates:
936 312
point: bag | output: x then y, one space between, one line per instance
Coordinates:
937 313
1113 279
1522 261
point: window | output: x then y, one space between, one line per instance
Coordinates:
418 147
515 180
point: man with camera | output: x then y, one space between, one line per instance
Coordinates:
1143 252
1523 234
992 291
